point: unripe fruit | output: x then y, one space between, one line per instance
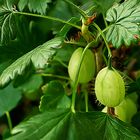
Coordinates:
109 87
87 69
125 110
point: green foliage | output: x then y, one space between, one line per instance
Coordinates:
54 97
32 84
37 39
38 6
39 57
7 24
63 124
9 97
125 19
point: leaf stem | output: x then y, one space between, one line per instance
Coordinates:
61 62
47 17
103 36
86 101
55 76
75 84
105 21
75 43
9 121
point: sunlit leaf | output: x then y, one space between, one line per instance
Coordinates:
7 24
125 19
63 124
39 57
38 6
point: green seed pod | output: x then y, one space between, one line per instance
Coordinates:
87 69
109 87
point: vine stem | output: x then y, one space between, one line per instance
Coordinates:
86 101
9 121
103 36
75 84
105 20
75 43
55 76
47 17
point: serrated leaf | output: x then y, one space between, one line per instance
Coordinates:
9 97
63 124
38 6
39 57
54 97
7 24
125 28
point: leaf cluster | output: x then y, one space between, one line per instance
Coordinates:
37 39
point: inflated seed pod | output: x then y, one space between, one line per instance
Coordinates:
109 87
87 69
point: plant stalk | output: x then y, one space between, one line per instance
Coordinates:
9 121
86 101
47 17
55 76
103 36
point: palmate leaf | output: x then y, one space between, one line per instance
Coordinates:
54 97
9 97
125 19
7 23
65 125
38 6
38 57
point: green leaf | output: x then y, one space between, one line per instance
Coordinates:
104 5
134 86
9 97
58 11
38 6
32 84
125 28
54 97
64 53
7 24
39 57
63 124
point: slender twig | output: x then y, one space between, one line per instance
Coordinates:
86 101
9 121
76 43
105 21
103 36
55 76
47 17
